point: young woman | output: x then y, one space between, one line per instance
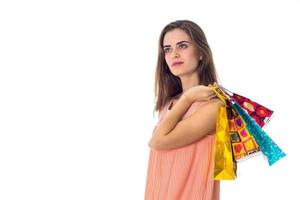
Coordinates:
181 148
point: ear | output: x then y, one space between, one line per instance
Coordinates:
200 55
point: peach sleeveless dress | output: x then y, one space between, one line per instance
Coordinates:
184 173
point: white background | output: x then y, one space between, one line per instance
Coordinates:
77 92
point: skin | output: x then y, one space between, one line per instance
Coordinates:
174 132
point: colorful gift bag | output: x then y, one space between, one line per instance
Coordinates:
258 112
243 143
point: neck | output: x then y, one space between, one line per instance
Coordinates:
189 81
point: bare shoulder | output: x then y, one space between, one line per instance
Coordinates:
216 102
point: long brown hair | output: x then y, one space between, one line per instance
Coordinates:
166 84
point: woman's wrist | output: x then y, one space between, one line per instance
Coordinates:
187 98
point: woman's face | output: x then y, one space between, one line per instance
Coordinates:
181 53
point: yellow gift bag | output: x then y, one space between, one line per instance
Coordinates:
225 166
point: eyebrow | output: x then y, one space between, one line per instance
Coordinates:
176 43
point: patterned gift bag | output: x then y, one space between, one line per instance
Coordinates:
258 112
243 143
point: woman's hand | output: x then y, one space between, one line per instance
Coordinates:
199 93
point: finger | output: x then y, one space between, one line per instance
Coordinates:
211 95
210 98
211 92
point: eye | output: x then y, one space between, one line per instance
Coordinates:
183 46
166 50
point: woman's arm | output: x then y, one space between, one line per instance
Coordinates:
171 120
174 132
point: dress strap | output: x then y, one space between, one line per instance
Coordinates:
170 105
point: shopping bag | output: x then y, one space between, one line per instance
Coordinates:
243 143
224 164
258 112
269 148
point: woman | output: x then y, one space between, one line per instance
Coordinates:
181 155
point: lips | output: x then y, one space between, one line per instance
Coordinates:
176 63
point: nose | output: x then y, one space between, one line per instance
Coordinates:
175 54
